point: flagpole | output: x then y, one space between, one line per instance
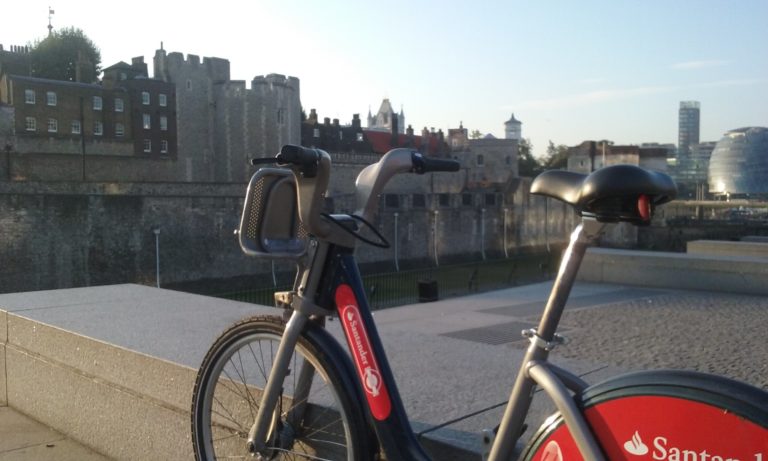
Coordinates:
50 27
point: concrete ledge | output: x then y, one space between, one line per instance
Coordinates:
728 248
755 238
736 274
113 367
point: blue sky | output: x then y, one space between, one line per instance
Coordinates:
570 71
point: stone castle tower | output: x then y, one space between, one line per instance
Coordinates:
221 123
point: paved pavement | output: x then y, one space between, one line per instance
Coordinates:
23 439
457 356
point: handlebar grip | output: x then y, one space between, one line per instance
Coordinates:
297 155
305 158
423 164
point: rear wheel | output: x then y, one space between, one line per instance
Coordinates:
316 417
665 415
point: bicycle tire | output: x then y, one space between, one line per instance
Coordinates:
226 396
664 415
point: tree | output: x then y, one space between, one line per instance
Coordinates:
557 157
59 55
527 164
475 134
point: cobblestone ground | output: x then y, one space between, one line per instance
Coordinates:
717 333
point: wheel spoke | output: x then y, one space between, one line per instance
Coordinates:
313 427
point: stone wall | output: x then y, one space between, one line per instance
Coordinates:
60 235
66 234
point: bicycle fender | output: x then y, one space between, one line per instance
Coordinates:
664 414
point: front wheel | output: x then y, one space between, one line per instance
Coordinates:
664 415
316 417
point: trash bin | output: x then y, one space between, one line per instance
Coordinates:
427 290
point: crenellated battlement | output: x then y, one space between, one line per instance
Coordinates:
15 49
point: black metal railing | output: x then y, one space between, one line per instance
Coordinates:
428 284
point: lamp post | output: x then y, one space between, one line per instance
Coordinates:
506 251
434 238
482 232
397 263
156 231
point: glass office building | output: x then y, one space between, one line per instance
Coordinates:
739 163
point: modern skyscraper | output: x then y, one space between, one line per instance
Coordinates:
688 126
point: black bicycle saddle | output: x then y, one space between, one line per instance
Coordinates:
614 193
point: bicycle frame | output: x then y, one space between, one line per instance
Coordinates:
333 275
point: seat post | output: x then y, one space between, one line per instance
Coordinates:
585 235
522 391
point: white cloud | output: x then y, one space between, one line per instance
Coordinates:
703 64
592 97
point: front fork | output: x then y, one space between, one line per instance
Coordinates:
302 309
257 436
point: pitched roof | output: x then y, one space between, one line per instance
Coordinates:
381 142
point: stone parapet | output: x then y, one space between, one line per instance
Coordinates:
735 274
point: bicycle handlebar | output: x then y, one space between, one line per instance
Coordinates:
311 168
423 164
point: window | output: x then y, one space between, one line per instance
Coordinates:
163 146
508 160
76 128
360 137
162 99
31 124
97 103
146 121
50 98
98 129
29 96
189 85
145 98
147 145
163 123
119 105
480 160
444 200
490 199
466 200
419 201
53 125
119 130
123 76
316 132
391 200
280 116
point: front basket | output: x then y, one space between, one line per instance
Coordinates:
270 226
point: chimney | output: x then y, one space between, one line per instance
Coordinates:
356 123
395 140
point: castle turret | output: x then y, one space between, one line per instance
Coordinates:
513 129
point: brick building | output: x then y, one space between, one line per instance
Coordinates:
127 114
593 155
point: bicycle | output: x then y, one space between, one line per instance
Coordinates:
275 387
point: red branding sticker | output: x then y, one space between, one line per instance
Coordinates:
663 428
367 367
